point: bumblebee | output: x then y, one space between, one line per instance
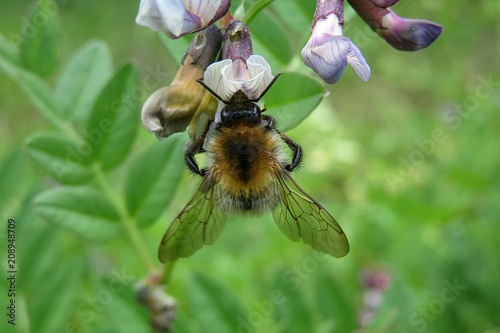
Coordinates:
248 173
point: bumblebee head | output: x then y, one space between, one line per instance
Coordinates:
247 112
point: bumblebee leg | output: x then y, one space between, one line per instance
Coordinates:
270 124
194 148
297 151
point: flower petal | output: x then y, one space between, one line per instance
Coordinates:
226 77
162 16
327 26
358 62
177 21
204 9
149 15
214 79
261 77
327 52
329 59
180 17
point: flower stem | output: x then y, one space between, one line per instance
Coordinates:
127 222
167 272
255 9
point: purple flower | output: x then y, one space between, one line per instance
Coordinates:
180 17
408 34
328 52
401 33
384 3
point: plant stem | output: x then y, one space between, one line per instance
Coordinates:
128 223
167 272
254 10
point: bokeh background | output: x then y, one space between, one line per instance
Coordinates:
407 162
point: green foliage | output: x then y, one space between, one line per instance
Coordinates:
276 45
53 152
83 210
295 303
124 315
221 309
10 172
92 192
41 50
37 90
113 123
54 303
82 79
292 98
152 180
335 304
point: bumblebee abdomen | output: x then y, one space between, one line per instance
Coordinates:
243 157
248 203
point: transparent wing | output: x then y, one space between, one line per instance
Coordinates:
199 223
300 217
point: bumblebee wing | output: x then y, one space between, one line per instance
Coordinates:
300 217
199 223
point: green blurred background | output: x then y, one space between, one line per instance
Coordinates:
407 162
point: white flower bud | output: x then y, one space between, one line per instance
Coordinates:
180 17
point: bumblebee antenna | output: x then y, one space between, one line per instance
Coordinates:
269 86
200 81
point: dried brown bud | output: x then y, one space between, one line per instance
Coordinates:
170 109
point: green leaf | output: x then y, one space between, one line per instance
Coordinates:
275 44
82 80
334 304
8 50
307 7
53 305
153 178
37 91
293 313
218 308
60 156
41 39
114 120
125 317
34 87
83 211
292 98
11 172
255 9
40 94
294 15
184 324
40 253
